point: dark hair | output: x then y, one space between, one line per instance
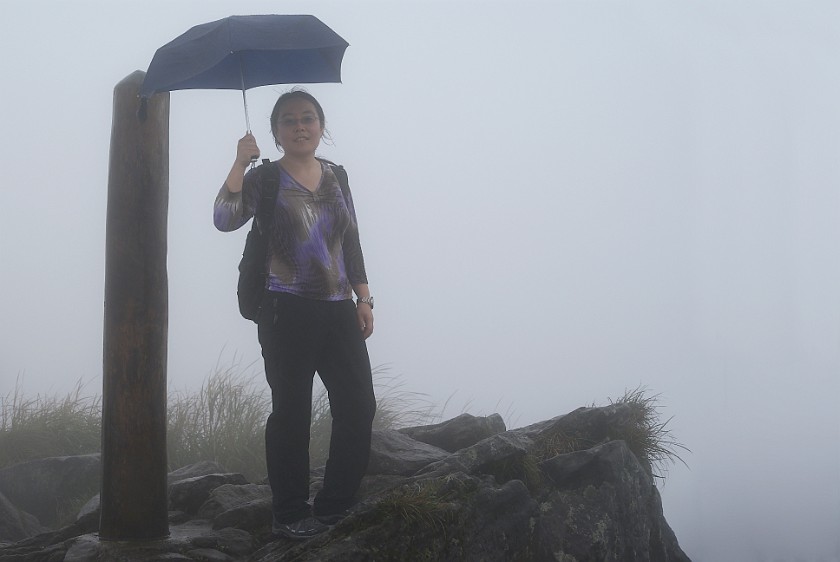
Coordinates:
295 95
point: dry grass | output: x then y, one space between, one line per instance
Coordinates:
223 421
558 443
647 435
48 426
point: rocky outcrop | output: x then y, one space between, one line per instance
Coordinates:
566 489
39 486
15 524
457 433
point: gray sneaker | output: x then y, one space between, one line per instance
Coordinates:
299 530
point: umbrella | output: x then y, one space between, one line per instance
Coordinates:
241 52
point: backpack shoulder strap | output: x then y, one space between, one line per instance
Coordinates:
341 174
263 214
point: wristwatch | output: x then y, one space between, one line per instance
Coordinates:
366 300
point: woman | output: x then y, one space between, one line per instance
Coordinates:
308 321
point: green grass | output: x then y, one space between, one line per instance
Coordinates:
524 468
420 505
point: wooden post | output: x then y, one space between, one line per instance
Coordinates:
134 489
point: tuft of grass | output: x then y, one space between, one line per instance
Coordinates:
397 407
420 505
48 426
223 421
647 435
558 443
524 468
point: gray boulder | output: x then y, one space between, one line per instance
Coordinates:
16 525
459 432
624 510
496 452
392 452
232 542
229 496
88 516
46 488
189 495
253 515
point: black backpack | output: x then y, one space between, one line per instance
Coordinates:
253 268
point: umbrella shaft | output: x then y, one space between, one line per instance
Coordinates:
244 100
245 103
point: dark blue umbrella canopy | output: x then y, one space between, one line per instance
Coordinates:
241 52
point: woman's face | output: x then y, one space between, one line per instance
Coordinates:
297 129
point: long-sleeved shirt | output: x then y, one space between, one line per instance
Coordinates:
314 249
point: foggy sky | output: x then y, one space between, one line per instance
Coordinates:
557 202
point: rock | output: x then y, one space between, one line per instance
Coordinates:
453 519
623 515
88 516
499 524
375 484
178 517
48 488
486 456
16 525
229 496
51 546
83 549
233 542
201 468
392 452
586 426
459 432
208 555
189 494
88 548
569 488
252 516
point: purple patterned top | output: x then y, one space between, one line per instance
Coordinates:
314 247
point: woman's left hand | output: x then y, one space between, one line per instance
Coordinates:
364 314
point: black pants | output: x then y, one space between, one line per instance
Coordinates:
300 336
